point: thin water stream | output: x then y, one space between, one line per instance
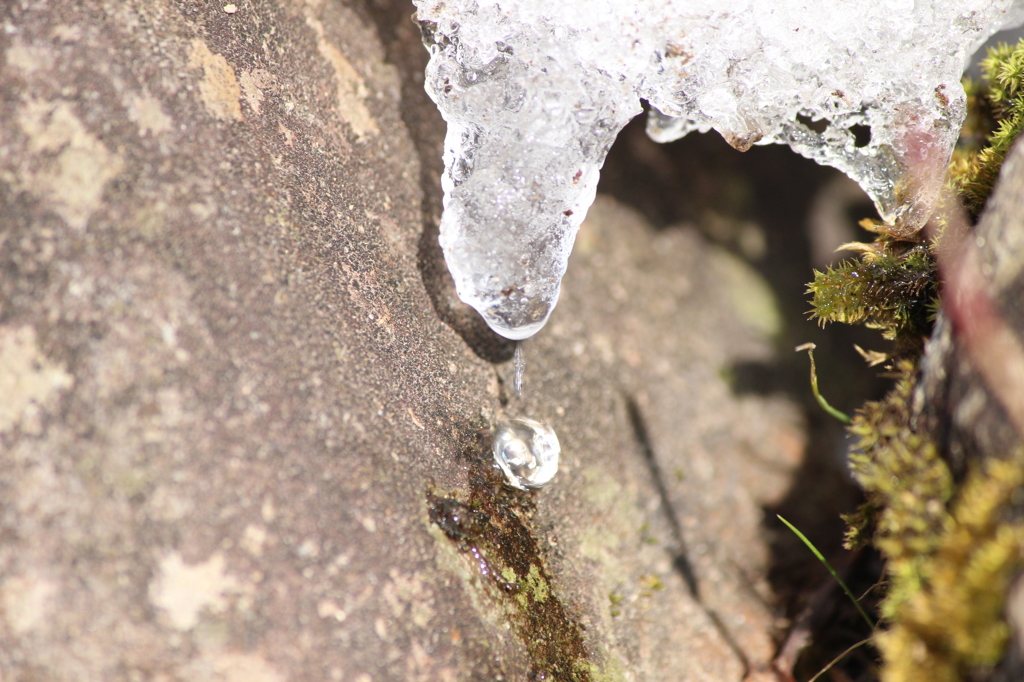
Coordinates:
520 368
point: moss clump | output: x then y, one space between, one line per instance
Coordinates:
537 584
996 114
907 485
891 286
950 553
952 623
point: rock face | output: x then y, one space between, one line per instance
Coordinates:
244 421
955 399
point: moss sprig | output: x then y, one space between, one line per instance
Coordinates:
890 286
995 114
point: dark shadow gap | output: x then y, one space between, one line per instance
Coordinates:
702 181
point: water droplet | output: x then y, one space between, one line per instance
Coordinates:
515 319
527 451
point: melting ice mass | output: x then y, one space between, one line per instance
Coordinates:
535 91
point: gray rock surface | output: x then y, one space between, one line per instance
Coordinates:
244 421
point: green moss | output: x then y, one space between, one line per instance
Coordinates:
493 529
907 485
537 585
650 585
614 600
533 589
996 114
950 623
950 553
890 287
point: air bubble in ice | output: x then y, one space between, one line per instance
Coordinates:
526 451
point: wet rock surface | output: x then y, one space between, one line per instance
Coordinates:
245 423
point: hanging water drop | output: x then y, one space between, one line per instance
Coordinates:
520 368
527 452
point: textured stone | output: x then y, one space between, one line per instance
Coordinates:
243 409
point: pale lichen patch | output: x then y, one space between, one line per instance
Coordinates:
184 591
71 165
751 297
29 58
232 666
145 111
409 598
352 91
27 602
164 504
29 382
253 538
219 90
328 608
253 83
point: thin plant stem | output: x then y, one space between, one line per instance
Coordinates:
841 416
823 560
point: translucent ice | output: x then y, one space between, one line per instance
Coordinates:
527 452
535 91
